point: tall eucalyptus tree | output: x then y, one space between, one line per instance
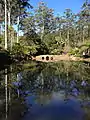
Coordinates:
13 10
85 12
1 18
69 17
43 19
5 24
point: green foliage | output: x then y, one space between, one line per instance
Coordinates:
56 52
87 45
1 39
46 33
55 32
74 51
19 49
30 49
79 51
83 48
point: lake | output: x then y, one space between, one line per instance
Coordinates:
45 91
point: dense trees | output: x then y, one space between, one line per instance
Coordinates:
58 33
44 32
13 9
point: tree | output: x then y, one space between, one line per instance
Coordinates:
43 19
5 24
69 18
14 8
86 15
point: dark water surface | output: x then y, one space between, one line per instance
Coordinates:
45 91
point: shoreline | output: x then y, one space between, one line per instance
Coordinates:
55 58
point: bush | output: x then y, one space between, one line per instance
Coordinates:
74 51
56 52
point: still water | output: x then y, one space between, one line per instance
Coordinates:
45 91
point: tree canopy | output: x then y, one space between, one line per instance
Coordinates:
44 31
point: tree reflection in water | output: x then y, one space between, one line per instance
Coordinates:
43 86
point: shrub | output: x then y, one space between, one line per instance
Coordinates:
74 51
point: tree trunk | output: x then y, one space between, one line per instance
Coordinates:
75 40
83 35
9 23
10 78
88 30
60 36
42 32
18 29
42 29
6 98
5 24
68 38
18 92
11 40
9 18
0 29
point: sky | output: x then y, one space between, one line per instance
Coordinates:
59 6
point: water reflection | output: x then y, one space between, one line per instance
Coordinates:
6 93
58 92
49 91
